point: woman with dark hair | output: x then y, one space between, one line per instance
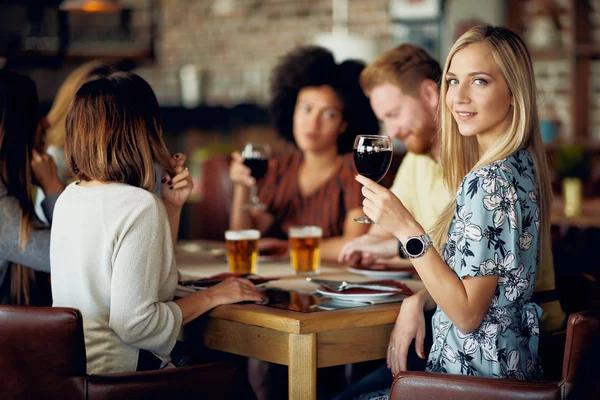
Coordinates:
24 240
319 105
112 238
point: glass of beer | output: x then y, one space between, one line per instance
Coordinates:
304 249
242 250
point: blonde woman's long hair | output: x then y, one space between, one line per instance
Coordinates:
57 116
513 60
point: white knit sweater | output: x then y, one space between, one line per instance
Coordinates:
111 256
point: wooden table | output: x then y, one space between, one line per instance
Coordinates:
302 341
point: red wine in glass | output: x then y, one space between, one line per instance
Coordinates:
256 157
372 158
373 165
258 167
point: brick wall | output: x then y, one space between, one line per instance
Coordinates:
236 51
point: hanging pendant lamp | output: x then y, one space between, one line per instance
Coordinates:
90 6
341 43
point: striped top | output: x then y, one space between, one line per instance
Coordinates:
327 207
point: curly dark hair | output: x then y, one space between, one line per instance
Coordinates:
308 66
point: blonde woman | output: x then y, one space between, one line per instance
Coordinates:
494 235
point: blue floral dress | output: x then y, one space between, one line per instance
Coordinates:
495 232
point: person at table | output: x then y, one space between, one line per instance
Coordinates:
318 105
55 119
24 239
112 240
402 86
492 237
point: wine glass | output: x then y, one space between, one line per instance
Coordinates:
372 158
256 157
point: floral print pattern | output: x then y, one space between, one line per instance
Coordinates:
494 232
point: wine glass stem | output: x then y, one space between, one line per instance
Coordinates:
253 195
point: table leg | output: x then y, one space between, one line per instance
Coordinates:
302 377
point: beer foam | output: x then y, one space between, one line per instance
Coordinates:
305 231
248 234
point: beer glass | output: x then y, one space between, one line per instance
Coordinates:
305 252
242 250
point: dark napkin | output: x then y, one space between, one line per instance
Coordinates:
215 279
402 288
386 268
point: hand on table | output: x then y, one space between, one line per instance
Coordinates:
272 247
234 290
368 249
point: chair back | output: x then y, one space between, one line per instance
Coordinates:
205 381
42 353
211 214
581 373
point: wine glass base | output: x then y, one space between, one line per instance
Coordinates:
255 206
364 220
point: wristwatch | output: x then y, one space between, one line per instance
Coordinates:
415 246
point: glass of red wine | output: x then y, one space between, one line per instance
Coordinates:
372 158
256 157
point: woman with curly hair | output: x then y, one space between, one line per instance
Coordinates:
319 105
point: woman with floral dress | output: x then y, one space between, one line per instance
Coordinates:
493 239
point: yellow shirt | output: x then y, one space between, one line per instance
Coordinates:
420 187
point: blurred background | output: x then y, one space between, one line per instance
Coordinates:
213 57
209 60
209 63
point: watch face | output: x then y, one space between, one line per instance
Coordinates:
414 246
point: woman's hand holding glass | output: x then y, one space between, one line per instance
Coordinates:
372 158
239 173
385 209
256 158
176 190
410 325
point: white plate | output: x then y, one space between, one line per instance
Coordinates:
335 304
381 274
355 296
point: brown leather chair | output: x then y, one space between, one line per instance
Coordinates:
209 218
42 353
42 356
580 374
206 381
